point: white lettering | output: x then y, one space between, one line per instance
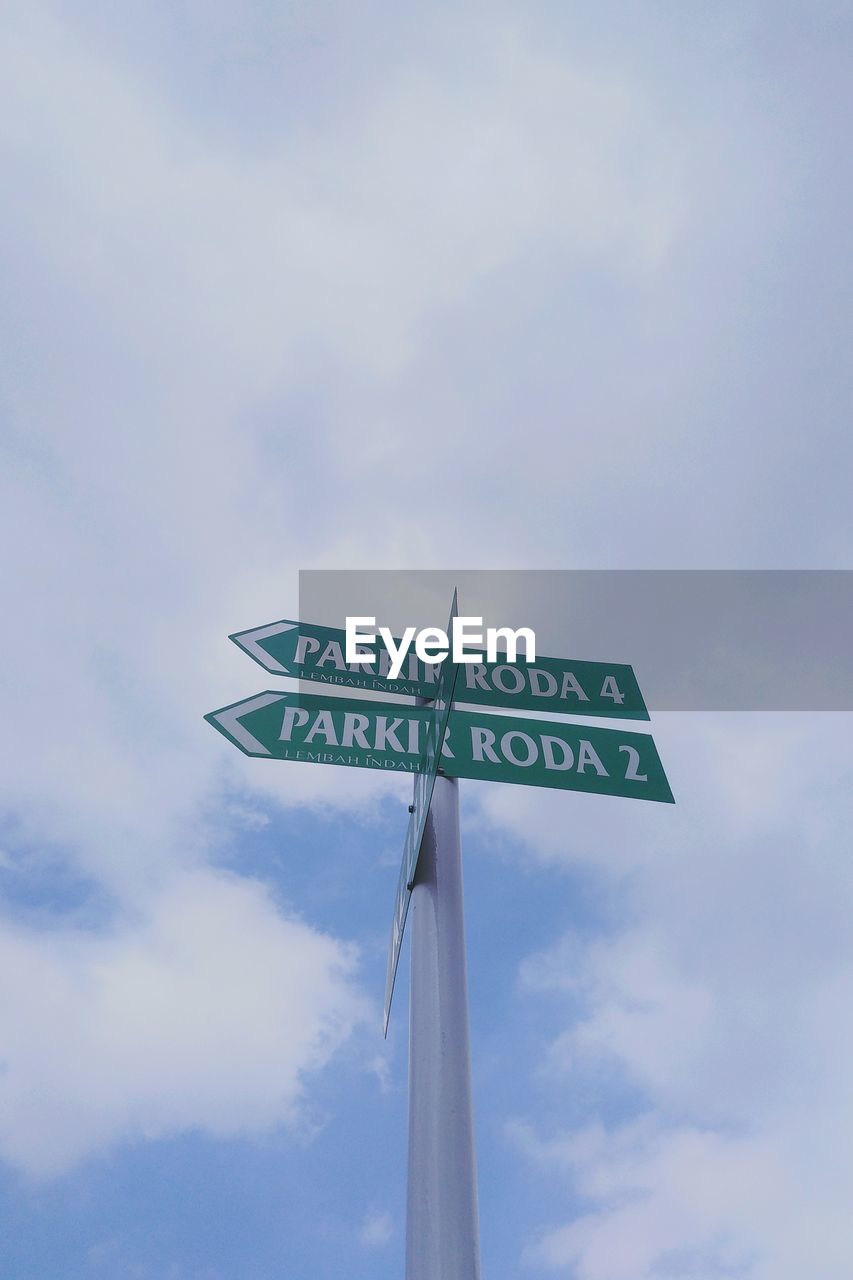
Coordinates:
384 663
570 685
536 674
500 674
305 645
530 747
482 745
363 667
294 717
332 654
431 645
631 774
387 733
355 637
475 677
397 652
323 725
610 689
589 755
493 634
463 639
354 727
548 745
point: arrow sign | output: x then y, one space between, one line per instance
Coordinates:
550 753
309 652
322 730
437 721
389 736
554 684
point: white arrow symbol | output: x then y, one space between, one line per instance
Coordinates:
231 717
248 640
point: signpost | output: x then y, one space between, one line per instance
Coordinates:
403 739
442 1216
428 765
440 744
562 685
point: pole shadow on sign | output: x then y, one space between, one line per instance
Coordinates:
438 742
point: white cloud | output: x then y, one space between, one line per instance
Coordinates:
178 289
203 1009
719 995
344 236
377 1229
686 1201
249 817
223 363
194 323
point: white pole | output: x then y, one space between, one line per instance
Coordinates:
442 1218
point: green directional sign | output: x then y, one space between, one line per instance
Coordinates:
393 737
548 753
323 730
554 684
310 652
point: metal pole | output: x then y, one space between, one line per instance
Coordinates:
442 1218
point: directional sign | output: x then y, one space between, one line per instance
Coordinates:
554 684
549 753
437 722
323 730
389 736
310 652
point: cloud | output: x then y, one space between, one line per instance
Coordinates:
205 1009
678 1203
225 361
187 317
377 1229
688 1201
712 1008
198 331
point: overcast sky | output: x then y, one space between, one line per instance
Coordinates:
363 285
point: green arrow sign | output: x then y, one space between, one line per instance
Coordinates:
321 730
310 652
393 737
547 753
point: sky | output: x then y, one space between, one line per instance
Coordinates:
363 285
